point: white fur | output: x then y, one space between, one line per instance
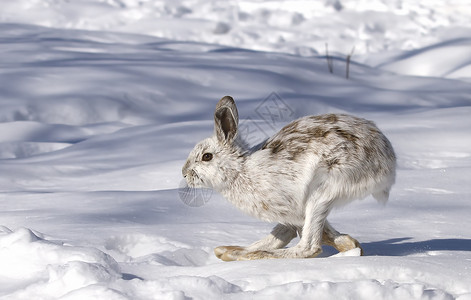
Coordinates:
295 178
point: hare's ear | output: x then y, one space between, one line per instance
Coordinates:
226 119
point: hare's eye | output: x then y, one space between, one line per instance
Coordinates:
207 157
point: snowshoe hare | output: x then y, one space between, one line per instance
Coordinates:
295 178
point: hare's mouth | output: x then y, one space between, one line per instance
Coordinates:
194 180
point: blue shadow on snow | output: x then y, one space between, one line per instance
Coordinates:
398 246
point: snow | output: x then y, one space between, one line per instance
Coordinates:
101 101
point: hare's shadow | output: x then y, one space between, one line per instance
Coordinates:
400 246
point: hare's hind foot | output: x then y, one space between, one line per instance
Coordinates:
232 253
279 237
259 254
229 253
293 252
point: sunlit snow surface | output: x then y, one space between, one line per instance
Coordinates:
101 101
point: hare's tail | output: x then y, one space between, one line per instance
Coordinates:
382 196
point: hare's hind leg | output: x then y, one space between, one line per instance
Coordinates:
341 242
279 237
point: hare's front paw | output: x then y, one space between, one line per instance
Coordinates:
345 242
229 253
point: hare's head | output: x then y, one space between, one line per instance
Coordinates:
215 161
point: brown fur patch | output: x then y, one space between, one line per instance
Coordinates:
369 151
276 146
374 131
330 118
290 128
293 139
345 134
318 132
332 162
265 206
291 147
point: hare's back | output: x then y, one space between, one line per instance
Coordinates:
336 140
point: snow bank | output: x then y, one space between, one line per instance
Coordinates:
297 27
448 59
51 268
